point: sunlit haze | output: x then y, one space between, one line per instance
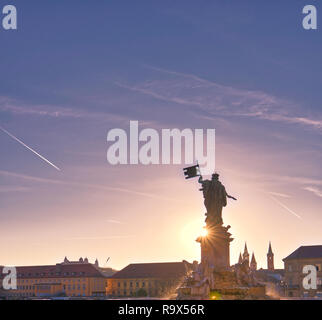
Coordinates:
175 67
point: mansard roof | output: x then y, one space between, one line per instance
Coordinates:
305 252
152 270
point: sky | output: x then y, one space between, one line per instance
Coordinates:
74 70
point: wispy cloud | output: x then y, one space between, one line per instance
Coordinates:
80 185
314 190
101 238
19 108
5 189
219 100
282 195
52 111
114 221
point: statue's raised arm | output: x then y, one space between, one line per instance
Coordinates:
231 197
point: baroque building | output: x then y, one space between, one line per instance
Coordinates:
293 266
68 278
147 279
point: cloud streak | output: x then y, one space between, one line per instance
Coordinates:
53 111
219 100
29 148
315 191
81 185
5 189
282 195
114 221
286 208
100 238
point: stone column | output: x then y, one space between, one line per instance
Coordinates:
215 248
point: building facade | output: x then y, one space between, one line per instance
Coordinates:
69 278
293 265
147 279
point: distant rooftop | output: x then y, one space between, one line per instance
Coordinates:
152 270
305 252
80 268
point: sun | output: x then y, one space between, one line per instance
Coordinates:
204 232
192 230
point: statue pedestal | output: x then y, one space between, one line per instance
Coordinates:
215 248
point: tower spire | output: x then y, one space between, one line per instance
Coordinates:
270 251
253 263
245 249
270 258
246 254
240 260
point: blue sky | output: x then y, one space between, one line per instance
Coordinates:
74 70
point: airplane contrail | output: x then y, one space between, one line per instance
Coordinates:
32 150
286 208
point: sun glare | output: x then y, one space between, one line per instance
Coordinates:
192 230
204 232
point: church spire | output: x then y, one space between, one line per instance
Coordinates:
270 258
270 251
253 263
240 260
246 254
245 249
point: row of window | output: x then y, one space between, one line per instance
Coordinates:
132 293
51 280
43 274
69 287
137 284
297 267
30 294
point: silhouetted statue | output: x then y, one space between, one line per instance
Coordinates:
215 198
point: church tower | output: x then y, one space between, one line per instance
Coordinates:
246 254
270 258
240 260
253 263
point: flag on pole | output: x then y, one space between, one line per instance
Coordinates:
191 172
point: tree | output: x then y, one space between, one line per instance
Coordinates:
141 293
